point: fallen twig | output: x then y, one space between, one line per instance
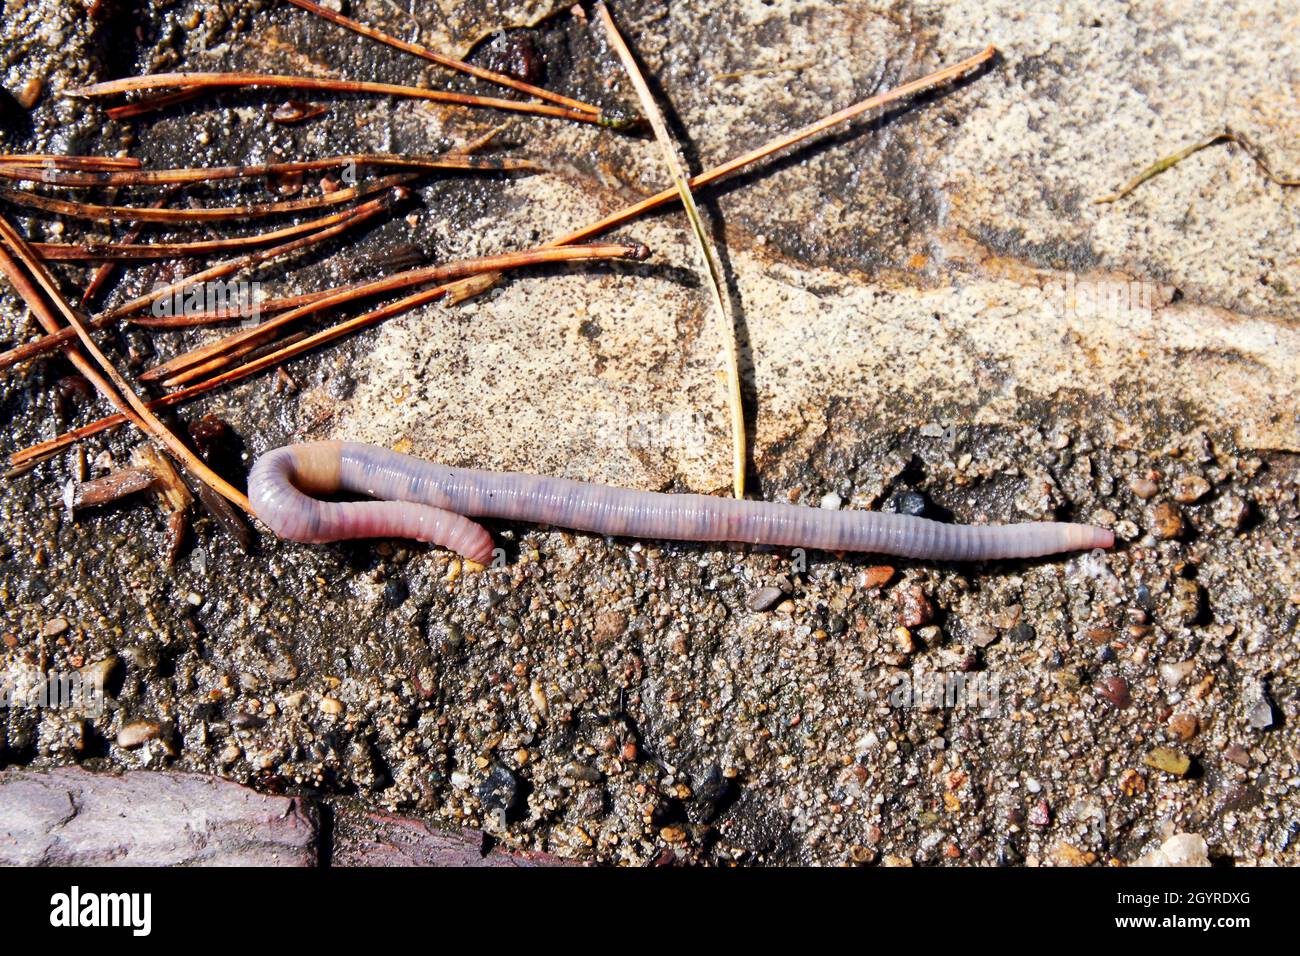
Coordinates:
96 251
203 357
51 161
786 140
117 389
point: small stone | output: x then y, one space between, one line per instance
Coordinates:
245 721
1166 521
609 626
30 94
1181 849
877 576
914 608
1175 674
1132 783
331 706
1115 690
861 854
909 503
1188 601
54 627
903 639
98 673
1040 815
590 803
499 790
673 834
1169 760
137 732
1190 488
1238 755
582 772
1067 855
1183 726
764 599
983 636
396 592
831 501
1144 488
1101 635
1022 633
1231 512
1259 715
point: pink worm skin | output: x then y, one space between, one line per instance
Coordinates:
430 502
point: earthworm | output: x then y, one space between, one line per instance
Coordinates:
434 503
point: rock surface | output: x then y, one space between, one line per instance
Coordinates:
71 817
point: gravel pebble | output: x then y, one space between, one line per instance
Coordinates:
1190 488
1166 520
1144 488
764 599
1169 760
138 732
1231 512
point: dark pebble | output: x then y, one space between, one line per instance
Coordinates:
242 721
1144 599
1115 690
712 790
514 55
909 503
500 790
1022 633
396 592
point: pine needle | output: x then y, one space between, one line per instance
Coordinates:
125 398
443 60
703 244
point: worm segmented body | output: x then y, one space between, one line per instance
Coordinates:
431 502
